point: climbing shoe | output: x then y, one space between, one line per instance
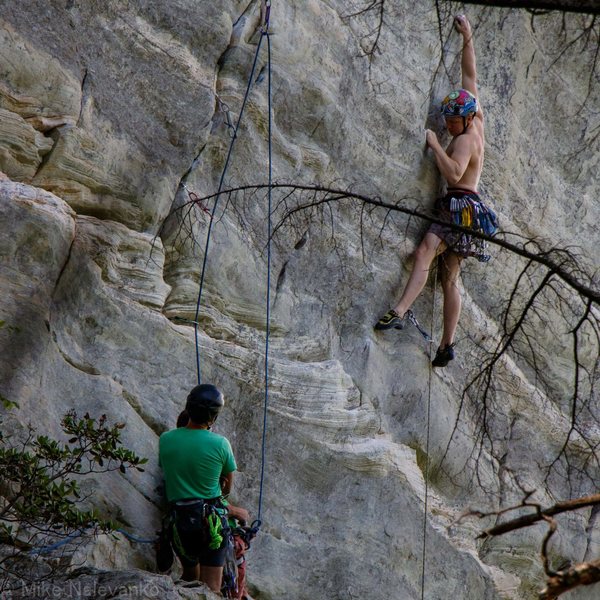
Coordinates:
443 357
390 320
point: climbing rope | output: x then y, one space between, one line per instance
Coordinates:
51 547
428 421
195 199
234 136
265 15
268 316
134 538
72 536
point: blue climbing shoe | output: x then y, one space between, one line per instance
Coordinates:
390 320
443 357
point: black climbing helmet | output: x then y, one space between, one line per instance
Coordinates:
204 403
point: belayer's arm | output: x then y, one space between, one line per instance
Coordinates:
226 483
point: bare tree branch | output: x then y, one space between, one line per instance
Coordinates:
585 573
591 7
332 195
527 520
544 284
561 581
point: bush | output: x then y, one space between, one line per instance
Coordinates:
40 495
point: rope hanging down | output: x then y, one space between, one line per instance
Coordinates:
428 421
48 549
264 33
269 230
265 16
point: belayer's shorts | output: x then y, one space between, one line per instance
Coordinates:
191 537
196 551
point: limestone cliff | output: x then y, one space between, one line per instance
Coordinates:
106 108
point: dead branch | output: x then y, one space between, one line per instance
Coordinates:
332 195
558 582
528 520
370 41
590 7
585 573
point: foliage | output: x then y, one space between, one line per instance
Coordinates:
40 494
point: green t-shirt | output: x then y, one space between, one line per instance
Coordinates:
193 461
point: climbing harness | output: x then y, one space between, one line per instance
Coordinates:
469 211
205 519
466 209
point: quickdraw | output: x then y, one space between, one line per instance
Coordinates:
195 199
266 14
411 317
224 108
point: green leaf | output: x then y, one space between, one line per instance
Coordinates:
8 404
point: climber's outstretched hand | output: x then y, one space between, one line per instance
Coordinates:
462 25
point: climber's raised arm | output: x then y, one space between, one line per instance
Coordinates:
468 63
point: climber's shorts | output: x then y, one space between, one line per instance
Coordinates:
467 210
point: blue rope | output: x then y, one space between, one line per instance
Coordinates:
135 538
51 547
214 209
265 33
268 324
80 532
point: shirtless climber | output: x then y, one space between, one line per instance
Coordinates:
460 165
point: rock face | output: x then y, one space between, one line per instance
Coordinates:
107 107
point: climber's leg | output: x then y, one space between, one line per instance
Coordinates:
428 249
450 279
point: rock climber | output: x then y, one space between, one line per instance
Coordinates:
460 165
198 467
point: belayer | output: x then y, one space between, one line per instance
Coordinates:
460 165
233 584
198 467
